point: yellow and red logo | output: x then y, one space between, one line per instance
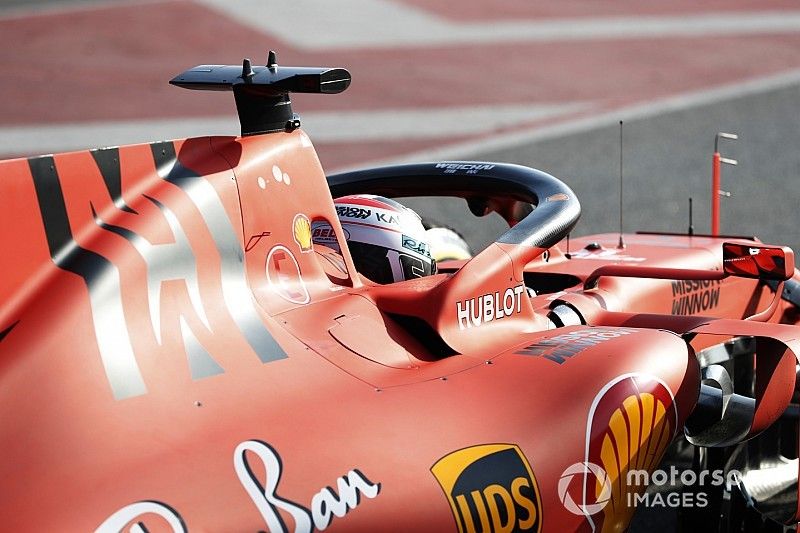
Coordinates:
301 227
630 427
491 488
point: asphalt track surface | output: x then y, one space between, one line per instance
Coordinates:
666 161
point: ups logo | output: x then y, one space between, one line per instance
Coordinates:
491 488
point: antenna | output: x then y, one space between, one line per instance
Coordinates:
247 70
568 255
621 244
691 224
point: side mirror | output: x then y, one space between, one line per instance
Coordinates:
772 263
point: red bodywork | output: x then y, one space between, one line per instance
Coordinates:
175 351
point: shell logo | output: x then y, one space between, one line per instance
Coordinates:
632 422
301 227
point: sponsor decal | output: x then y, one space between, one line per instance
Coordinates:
630 424
372 215
559 197
468 168
281 176
328 250
691 297
490 488
322 233
284 276
253 241
387 218
473 312
346 211
562 347
325 505
414 245
301 229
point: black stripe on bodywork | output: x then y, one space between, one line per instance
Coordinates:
64 251
163 152
107 160
164 155
7 330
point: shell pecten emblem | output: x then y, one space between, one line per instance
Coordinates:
301 228
633 422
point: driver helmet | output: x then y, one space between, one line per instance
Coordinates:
386 239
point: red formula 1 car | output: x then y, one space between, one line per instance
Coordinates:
178 353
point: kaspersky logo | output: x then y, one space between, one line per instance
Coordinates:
491 488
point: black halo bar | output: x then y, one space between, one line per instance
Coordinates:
557 208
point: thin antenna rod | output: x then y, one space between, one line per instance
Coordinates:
691 224
621 244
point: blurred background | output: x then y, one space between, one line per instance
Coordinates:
540 83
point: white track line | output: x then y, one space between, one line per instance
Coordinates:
352 24
334 126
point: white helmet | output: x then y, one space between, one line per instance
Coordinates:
447 244
386 239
